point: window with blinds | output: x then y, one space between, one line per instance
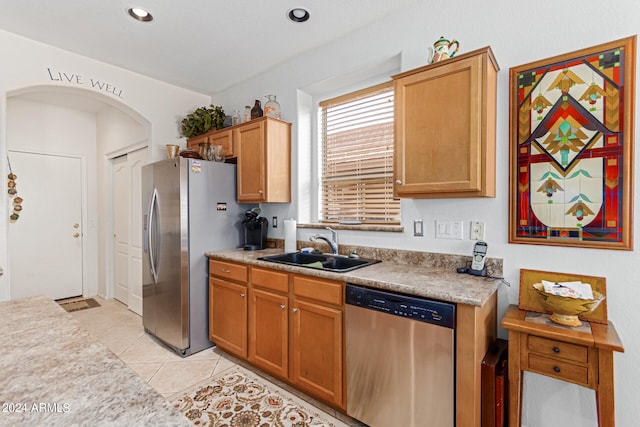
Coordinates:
356 132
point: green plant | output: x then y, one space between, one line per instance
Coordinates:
202 120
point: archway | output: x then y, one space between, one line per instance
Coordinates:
118 130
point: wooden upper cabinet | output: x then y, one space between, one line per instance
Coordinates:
445 128
264 160
224 138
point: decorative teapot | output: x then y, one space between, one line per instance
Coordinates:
443 49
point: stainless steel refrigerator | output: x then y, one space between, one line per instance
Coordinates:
188 208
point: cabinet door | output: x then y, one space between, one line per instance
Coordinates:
268 332
443 124
317 350
228 316
250 147
224 138
194 142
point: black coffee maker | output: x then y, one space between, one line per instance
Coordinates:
255 230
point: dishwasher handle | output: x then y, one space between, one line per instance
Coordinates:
420 309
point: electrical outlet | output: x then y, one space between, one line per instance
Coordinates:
274 222
477 230
448 229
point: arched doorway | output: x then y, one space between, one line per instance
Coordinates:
74 122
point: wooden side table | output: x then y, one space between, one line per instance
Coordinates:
580 356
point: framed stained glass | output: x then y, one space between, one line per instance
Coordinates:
571 148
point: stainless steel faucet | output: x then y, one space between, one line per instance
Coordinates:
333 243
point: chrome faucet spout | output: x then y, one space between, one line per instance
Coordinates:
333 242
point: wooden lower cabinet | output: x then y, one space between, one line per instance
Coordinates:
228 316
291 326
317 350
269 332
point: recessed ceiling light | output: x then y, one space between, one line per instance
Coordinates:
140 14
298 14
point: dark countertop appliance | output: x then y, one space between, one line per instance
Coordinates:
255 230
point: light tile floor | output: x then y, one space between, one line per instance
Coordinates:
122 332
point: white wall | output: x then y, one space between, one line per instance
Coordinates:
156 106
518 33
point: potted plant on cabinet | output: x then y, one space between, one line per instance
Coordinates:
202 120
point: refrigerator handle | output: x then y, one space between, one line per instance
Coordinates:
151 233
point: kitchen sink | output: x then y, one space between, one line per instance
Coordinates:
336 263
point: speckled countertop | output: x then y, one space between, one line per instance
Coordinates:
54 373
420 274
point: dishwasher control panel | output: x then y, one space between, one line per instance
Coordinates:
420 309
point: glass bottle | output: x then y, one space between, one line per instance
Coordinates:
247 113
272 107
235 119
256 111
218 153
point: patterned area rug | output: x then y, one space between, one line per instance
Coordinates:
238 398
78 304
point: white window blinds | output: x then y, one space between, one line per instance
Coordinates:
356 132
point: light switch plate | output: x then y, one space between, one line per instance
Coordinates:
418 229
448 229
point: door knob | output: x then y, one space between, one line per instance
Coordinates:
76 235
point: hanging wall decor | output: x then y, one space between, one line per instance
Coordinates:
571 148
13 193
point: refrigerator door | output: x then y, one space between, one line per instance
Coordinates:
215 223
165 261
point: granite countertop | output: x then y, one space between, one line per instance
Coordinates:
54 373
437 282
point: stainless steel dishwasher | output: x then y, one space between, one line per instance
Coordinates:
400 359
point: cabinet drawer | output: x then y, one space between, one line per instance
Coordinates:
317 289
228 270
559 369
270 279
558 349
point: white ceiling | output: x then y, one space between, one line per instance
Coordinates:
203 45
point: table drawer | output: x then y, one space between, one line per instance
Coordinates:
559 369
227 270
269 279
558 349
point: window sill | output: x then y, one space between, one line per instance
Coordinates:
359 227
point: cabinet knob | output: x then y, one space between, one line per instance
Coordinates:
241 295
282 307
76 235
294 309
556 369
398 181
224 270
259 191
556 350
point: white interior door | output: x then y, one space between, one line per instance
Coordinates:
127 226
45 243
121 209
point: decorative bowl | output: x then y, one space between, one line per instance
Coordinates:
190 154
566 309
